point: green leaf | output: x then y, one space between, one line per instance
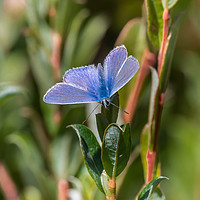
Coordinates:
133 36
168 54
105 183
63 17
102 124
169 3
66 164
91 152
155 21
14 66
30 170
72 38
89 40
111 113
157 195
31 193
144 143
35 12
116 149
152 105
154 88
150 187
157 166
28 149
39 49
7 91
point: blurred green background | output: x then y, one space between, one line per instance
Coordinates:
39 41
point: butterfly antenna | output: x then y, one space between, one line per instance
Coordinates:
119 108
90 114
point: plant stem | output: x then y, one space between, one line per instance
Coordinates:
7 185
166 17
158 119
160 95
55 56
151 156
112 187
62 190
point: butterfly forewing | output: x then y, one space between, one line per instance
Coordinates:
112 65
125 73
62 93
85 78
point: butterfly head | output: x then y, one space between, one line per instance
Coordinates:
105 102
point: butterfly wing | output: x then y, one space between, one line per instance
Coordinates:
112 65
125 73
119 69
80 85
62 93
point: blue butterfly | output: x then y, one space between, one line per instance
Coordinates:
94 84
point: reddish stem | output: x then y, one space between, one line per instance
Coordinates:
166 17
55 63
55 56
158 118
148 59
62 190
112 187
151 156
7 185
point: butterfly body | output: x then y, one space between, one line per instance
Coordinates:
94 84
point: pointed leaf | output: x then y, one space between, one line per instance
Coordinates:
63 16
32 165
168 54
28 149
149 188
91 152
169 3
66 164
144 143
154 88
155 21
157 195
157 172
89 40
105 183
7 91
116 149
102 124
133 36
72 38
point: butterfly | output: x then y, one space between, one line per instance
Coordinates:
92 83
